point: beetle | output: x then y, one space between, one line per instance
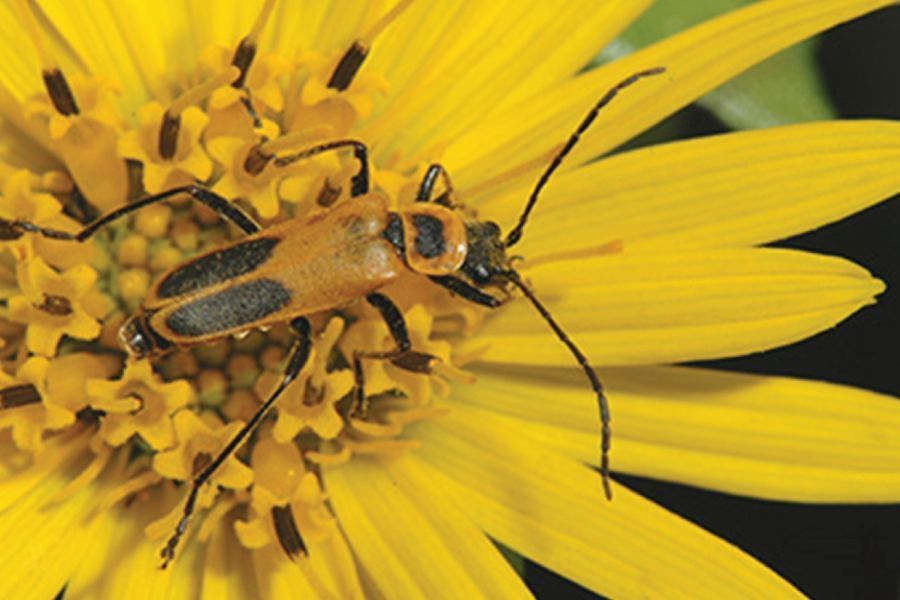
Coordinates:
288 271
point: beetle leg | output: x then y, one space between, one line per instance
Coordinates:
298 358
221 206
402 356
465 290
359 183
426 188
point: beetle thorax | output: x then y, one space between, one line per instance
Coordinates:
434 239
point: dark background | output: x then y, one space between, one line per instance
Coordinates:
826 551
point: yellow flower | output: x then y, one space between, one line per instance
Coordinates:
138 404
53 304
489 434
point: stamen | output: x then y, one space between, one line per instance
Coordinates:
246 50
60 93
54 81
19 395
55 305
328 195
201 461
257 159
352 60
200 92
288 535
171 122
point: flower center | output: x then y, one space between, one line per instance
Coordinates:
230 132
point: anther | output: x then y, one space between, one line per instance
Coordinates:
58 306
168 135
257 159
60 93
19 395
353 58
246 50
328 195
171 121
201 461
54 81
288 535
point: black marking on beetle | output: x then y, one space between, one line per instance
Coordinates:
394 232
288 535
217 267
346 70
19 395
429 236
233 307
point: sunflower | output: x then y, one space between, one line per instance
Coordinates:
647 258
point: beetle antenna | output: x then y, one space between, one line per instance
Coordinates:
516 232
602 403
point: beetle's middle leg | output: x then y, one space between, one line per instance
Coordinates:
296 362
402 356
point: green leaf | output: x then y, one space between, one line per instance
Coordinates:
786 88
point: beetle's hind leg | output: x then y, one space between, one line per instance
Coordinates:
296 362
402 356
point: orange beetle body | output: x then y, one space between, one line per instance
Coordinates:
295 268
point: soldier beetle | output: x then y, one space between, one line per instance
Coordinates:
303 266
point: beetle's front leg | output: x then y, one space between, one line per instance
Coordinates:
221 206
402 356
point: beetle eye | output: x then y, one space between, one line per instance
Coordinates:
481 275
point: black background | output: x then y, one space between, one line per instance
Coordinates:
826 551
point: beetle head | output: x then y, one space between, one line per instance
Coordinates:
486 260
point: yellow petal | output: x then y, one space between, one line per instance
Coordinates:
228 571
677 307
767 437
489 62
696 61
743 188
113 39
415 546
328 572
45 544
130 562
552 510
